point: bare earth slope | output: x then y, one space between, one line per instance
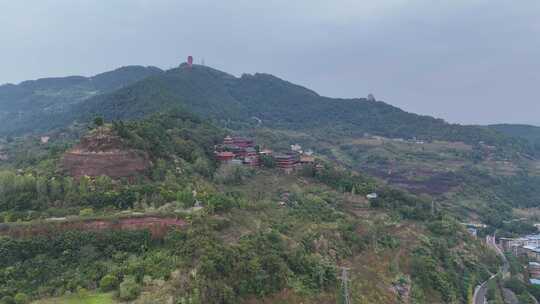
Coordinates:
103 153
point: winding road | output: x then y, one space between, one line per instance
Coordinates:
480 291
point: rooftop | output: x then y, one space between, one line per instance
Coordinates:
284 156
532 248
225 153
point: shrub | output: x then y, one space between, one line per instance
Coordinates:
233 174
108 282
86 212
7 300
220 203
515 285
129 289
98 121
82 292
534 290
21 298
268 161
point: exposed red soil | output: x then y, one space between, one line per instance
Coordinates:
103 153
115 164
157 226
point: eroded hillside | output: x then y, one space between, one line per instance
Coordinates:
102 152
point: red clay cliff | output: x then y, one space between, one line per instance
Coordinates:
104 153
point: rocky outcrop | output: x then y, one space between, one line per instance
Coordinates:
103 153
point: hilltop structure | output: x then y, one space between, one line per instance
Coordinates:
244 151
287 162
237 150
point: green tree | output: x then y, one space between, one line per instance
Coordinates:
268 161
21 298
98 121
202 166
7 300
108 282
185 197
129 289
86 212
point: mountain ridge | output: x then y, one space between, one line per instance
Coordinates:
530 133
245 102
127 68
30 104
234 101
362 202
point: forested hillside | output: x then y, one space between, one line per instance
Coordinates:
232 102
289 250
419 153
528 132
31 104
247 235
265 99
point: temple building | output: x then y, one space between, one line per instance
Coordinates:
287 162
243 151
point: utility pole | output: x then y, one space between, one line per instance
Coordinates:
345 285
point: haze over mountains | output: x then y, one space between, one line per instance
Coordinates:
31 103
422 56
378 184
323 152
260 99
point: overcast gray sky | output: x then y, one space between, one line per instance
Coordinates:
466 61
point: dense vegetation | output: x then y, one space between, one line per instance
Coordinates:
175 134
260 263
179 144
29 106
209 262
240 244
527 132
255 100
460 274
238 102
70 260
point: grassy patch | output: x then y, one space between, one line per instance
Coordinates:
97 298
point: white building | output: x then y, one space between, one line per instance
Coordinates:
296 148
372 195
529 244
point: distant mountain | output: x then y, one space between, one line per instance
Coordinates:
247 101
23 106
250 100
527 132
